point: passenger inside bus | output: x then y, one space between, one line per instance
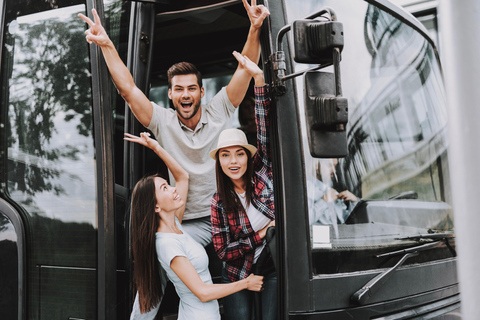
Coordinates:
329 205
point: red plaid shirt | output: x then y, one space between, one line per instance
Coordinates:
233 237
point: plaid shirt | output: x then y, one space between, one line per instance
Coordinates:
233 237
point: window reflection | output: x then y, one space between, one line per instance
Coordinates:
51 159
50 146
50 166
397 146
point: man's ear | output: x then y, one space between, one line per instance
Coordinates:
202 92
170 93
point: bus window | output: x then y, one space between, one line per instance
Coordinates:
50 171
394 181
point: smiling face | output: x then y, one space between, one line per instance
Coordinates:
186 96
234 163
167 197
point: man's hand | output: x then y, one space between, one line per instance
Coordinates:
347 196
256 14
96 34
330 195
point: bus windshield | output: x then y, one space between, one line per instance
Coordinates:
394 181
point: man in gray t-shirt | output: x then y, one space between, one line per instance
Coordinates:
190 147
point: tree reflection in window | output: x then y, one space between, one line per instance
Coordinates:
50 144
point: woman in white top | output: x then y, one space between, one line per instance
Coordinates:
157 213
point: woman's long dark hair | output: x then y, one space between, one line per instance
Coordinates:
225 189
145 222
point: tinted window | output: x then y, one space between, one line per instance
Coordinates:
46 101
394 180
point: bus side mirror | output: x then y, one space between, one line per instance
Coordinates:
326 116
315 40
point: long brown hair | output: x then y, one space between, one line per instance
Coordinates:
145 222
225 188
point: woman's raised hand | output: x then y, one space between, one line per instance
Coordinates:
144 140
96 34
251 67
254 283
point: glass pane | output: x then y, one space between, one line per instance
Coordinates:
116 23
394 181
51 157
51 168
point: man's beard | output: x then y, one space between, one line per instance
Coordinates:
197 107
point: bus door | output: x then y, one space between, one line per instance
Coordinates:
162 33
56 166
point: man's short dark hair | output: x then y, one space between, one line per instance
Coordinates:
182 68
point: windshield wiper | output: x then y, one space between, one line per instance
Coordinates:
421 247
445 236
439 235
362 295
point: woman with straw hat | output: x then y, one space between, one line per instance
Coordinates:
243 207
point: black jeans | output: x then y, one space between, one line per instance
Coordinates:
240 305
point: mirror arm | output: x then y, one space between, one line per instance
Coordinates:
336 63
299 73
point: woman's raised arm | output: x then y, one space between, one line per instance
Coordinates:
180 175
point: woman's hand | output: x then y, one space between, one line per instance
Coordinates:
251 67
263 232
144 140
254 283
96 34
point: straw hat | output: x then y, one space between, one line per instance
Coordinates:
232 137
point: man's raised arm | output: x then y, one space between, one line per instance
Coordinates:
238 85
136 99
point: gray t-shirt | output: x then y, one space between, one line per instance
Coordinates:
191 147
171 245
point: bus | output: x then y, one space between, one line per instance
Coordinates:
66 175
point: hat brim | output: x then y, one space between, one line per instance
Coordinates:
249 147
